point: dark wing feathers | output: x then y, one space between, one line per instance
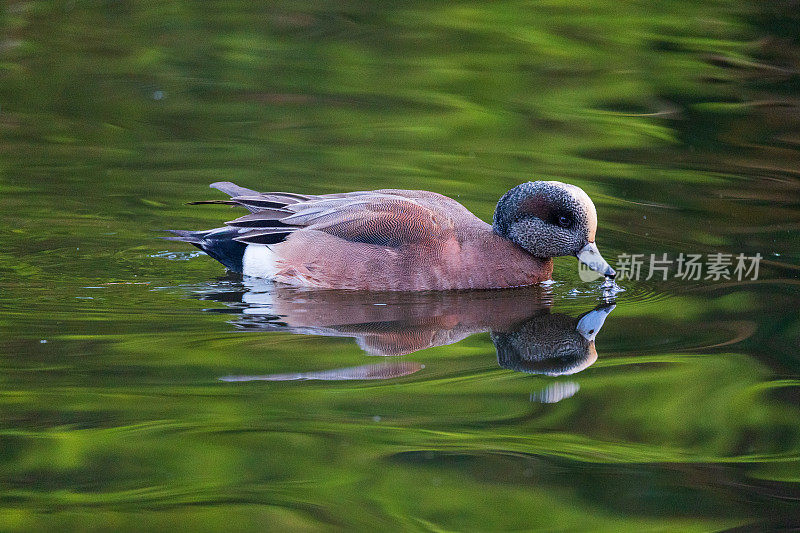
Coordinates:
386 218
270 216
264 235
256 203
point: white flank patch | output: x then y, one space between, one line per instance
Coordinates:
259 261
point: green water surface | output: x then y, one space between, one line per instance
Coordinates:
681 119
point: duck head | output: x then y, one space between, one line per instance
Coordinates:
551 219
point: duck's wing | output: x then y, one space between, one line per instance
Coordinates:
253 200
378 219
388 217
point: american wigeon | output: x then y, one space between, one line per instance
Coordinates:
403 240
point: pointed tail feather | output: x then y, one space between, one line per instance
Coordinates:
231 189
218 243
194 237
201 202
227 245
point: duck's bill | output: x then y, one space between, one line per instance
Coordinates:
591 322
590 256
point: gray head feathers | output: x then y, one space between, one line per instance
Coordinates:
547 218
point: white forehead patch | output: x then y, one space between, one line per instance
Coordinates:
584 201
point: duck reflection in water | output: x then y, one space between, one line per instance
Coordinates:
527 336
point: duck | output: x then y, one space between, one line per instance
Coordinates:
402 240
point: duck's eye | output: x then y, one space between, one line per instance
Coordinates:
564 221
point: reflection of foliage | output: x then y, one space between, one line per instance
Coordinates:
114 114
405 92
441 96
115 417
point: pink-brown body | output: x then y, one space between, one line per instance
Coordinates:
472 258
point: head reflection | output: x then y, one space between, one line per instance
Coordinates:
527 336
551 344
